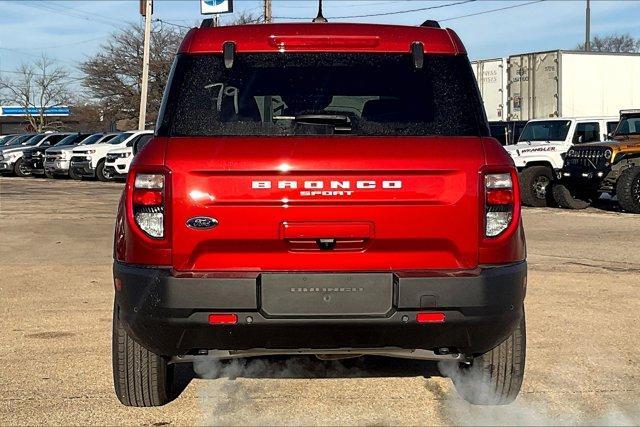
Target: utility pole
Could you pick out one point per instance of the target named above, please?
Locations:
(148, 11)
(587, 41)
(267, 10)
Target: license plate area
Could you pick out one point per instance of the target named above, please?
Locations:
(326, 295)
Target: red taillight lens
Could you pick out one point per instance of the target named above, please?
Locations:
(148, 203)
(499, 200)
(499, 196)
(147, 197)
(432, 317)
(223, 319)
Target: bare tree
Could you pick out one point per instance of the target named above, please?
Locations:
(36, 87)
(246, 17)
(613, 43)
(114, 74)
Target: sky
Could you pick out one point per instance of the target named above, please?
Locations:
(72, 30)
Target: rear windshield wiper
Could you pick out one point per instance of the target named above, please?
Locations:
(334, 123)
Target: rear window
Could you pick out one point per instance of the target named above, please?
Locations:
(322, 94)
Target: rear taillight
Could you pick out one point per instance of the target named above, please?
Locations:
(499, 202)
(148, 203)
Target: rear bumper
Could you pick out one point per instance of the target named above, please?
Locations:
(169, 315)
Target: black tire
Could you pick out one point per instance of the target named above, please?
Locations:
(20, 169)
(536, 183)
(74, 175)
(628, 190)
(141, 378)
(565, 199)
(495, 377)
(49, 175)
(100, 172)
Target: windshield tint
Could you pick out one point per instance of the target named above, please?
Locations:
(551, 130)
(120, 138)
(20, 139)
(92, 139)
(6, 140)
(629, 125)
(322, 94)
(68, 140)
(34, 140)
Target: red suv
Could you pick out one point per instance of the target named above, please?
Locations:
(325, 189)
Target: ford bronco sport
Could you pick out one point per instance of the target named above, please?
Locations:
(326, 189)
(611, 167)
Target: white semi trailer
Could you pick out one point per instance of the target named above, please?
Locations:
(558, 83)
(491, 75)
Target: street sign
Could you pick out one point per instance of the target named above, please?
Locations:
(13, 111)
(143, 7)
(212, 7)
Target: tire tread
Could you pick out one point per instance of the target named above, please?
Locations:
(141, 378)
(624, 189)
(495, 378)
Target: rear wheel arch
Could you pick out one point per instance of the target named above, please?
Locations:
(493, 378)
(539, 163)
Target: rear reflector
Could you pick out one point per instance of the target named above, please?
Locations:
(430, 317)
(223, 319)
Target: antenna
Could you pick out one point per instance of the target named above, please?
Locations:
(320, 18)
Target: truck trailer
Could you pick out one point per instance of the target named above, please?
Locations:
(558, 83)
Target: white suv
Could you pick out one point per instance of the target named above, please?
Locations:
(90, 162)
(118, 161)
(540, 151)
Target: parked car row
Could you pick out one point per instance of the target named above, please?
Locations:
(567, 162)
(570, 162)
(103, 156)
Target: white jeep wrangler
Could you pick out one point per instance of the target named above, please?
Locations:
(540, 151)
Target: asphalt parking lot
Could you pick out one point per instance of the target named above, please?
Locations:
(583, 311)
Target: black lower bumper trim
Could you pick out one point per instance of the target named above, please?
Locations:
(169, 315)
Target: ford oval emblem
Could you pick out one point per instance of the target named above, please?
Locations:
(202, 222)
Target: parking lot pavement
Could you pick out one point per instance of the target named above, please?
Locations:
(583, 312)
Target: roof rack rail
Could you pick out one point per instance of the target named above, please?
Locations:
(207, 23)
(430, 23)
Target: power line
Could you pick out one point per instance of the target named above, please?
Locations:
(74, 13)
(63, 45)
(171, 23)
(491, 10)
(356, 4)
(398, 12)
(19, 52)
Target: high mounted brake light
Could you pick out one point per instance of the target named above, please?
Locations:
(148, 203)
(499, 200)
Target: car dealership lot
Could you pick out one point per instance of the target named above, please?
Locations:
(55, 310)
